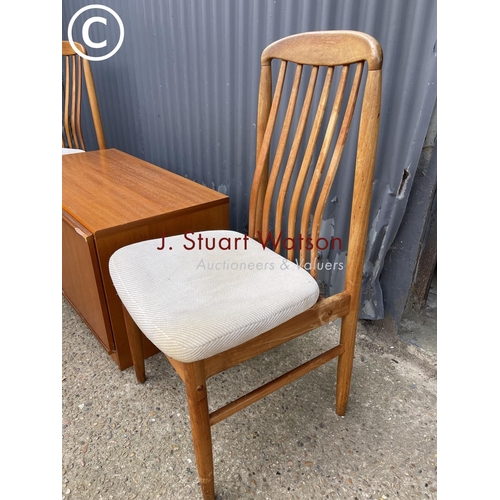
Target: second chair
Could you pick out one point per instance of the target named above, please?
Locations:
(76, 69)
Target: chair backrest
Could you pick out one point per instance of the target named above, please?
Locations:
(303, 181)
(74, 67)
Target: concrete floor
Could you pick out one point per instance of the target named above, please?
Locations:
(123, 440)
(419, 328)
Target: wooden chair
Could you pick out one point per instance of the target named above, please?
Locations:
(208, 319)
(72, 137)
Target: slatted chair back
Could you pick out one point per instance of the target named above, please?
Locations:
(75, 69)
(304, 165)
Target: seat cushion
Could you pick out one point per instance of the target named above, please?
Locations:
(207, 292)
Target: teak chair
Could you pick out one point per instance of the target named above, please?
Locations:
(210, 309)
(73, 64)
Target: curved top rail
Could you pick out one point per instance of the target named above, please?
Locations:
(326, 48)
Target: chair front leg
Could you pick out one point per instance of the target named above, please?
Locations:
(200, 425)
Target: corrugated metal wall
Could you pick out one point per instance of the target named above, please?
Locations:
(182, 93)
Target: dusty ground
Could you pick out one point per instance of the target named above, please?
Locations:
(122, 440)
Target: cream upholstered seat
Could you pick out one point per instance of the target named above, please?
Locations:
(209, 309)
(195, 303)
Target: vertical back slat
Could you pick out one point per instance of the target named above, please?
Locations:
(280, 151)
(73, 103)
(334, 163)
(308, 155)
(320, 164)
(81, 144)
(255, 222)
(66, 102)
(292, 157)
(264, 108)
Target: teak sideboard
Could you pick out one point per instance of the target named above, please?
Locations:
(111, 199)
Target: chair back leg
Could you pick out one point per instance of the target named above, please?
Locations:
(344, 367)
(196, 390)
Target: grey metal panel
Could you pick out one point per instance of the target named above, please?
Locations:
(182, 93)
(403, 260)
